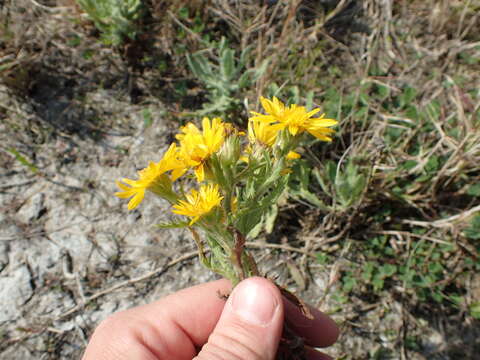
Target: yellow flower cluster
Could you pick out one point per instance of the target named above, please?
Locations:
(195, 148)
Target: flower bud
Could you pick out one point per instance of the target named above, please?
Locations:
(230, 152)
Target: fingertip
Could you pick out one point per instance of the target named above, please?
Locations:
(251, 323)
(256, 300)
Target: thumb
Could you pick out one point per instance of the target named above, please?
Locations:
(250, 325)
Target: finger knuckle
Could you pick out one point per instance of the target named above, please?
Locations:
(114, 325)
(224, 346)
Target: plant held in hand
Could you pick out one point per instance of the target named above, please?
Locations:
(239, 178)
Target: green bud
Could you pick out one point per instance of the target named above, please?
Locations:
(230, 152)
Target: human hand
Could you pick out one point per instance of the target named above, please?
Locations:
(196, 323)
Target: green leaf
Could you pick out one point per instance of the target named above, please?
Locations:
(364, 99)
(244, 55)
(408, 95)
(222, 45)
(437, 296)
(343, 190)
(311, 198)
(387, 270)
(383, 91)
(273, 177)
(331, 169)
(255, 230)
(274, 193)
(474, 190)
(260, 70)
(322, 258)
(199, 67)
(409, 164)
(270, 218)
(377, 283)
(356, 181)
(411, 112)
(183, 13)
(249, 222)
(294, 95)
(368, 270)
(474, 310)
(244, 80)
(227, 64)
(173, 225)
(319, 177)
(433, 110)
(309, 100)
(435, 268)
(473, 232)
(147, 118)
(349, 283)
(273, 90)
(432, 164)
(424, 178)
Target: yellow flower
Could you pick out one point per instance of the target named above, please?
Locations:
(262, 132)
(153, 176)
(136, 188)
(265, 134)
(295, 118)
(196, 147)
(172, 160)
(292, 155)
(199, 203)
(234, 204)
